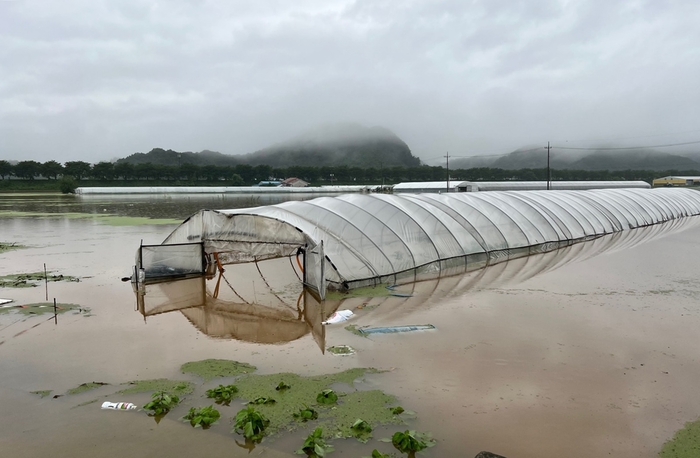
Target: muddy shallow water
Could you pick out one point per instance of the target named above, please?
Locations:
(595, 357)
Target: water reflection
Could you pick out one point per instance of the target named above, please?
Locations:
(286, 313)
(228, 319)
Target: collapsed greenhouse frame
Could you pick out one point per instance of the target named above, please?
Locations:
(357, 240)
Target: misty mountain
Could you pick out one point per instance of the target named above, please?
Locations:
(352, 145)
(536, 158)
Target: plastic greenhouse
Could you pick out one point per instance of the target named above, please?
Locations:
(358, 240)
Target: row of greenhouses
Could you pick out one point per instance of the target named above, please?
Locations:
(364, 239)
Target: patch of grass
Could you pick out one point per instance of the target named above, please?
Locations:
(42, 393)
(7, 246)
(32, 279)
(353, 328)
(92, 401)
(368, 291)
(685, 443)
(177, 387)
(343, 350)
(210, 368)
(41, 308)
(83, 387)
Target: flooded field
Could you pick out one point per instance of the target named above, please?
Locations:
(587, 352)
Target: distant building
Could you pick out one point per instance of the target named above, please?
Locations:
(294, 182)
(676, 181)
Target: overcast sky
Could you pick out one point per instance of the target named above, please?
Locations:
(95, 80)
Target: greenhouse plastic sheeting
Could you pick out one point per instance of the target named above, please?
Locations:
(376, 238)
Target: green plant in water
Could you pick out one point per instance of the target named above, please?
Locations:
(161, 403)
(306, 414)
(262, 400)
(250, 423)
(377, 454)
(327, 396)
(222, 394)
(411, 442)
(361, 430)
(398, 410)
(204, 417)
(314, 445)
(282, 386)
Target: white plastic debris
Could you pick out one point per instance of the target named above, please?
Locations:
(5, 301)
(118, 405)
(339, 317)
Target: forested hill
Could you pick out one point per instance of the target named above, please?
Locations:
(335, 145)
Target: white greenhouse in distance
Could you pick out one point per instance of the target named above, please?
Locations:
(474, 186)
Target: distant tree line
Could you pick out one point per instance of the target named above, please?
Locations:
(242, 174)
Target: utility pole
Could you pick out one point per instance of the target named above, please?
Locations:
(447, 156)
(549, 175)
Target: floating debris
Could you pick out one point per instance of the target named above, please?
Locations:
(339, 317)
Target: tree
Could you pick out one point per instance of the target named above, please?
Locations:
(51, 169)
(146, 170)
(77, 169)
(125, 170)
(6, 169)
(103, 171)
(27, 169)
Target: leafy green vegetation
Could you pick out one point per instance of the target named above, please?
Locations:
(335, 419)
(262, 400)
(315, 446)
(161, 403)
(377, 454)
(222, 394)
(306, 414)
(211, 368)
(361, 430)
(282, 387)
(398, 410)
(251, 423)
(411, 442)
(204, 417)
(327, 396)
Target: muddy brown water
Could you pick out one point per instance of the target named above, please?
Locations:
(571, 355)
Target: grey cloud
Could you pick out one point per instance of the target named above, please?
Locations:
(91, 81)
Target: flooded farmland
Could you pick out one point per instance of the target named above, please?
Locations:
(588, 351)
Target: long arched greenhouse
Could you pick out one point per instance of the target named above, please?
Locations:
(357, 240)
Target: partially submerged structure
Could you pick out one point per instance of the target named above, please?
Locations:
(357, 240)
